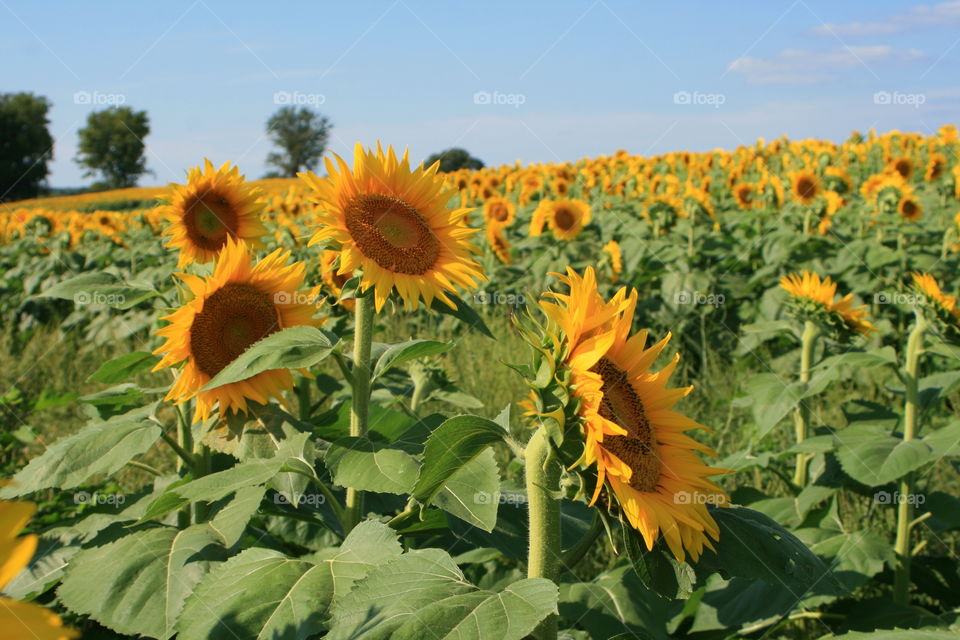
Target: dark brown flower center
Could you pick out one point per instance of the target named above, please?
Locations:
(564, 218)
(806, 188)
(392, 233)
(233, 318)
(499, 211)
(622, 404)
(209, 219)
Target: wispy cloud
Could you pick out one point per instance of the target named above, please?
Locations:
(803, 66)
(944, 14)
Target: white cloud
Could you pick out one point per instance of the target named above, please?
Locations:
(802, 66)
(943, 14)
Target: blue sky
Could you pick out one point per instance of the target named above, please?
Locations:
(530, 81)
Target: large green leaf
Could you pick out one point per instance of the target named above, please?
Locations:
(231, 520)
(99, 289)
(410, 350)
(359, 463)
(137, 585)
(436, 601)
(123, 368)
(870, 455)
(292, 348)
(99, 447)
(263, 594)
(472, 493)
(454, 443)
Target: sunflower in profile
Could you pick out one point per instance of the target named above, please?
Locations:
(238, 305)
(612, 249)
(943, 307)
(332, 278)
(24, 620)
(805, 185)
(499, 211)
(632, 437)
(743, 193)
(936, 165)
(815, 299)
(392, 223)
(214, 205)
(498, 243)
(565, 218)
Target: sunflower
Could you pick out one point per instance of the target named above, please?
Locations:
(499, 211)
(805, 186)
(333, 279)
(632, 437)
(935, 167)
(945, 313)
(909, 208)
(498, 243)
(902, 165)
(22, 619)
(743, 192)
(817, 298)
(235, 307)
(613, 250)
(214, 205)
(566, 218)
(394, 225)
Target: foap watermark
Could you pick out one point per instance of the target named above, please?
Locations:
(309, 499)
(499, 98)
(699, 298)
(499, 497)
(696, 497)
(98, 98)
(695, 98)
(896, 297)
(299, 98)
(886, 497)
(896, 98)
(97, 297)
(96, 498)
(295, 297)
(498, 297)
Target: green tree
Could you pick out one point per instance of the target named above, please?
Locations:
(26, 145)
(111, 145)
(302, 136)
(453, 159)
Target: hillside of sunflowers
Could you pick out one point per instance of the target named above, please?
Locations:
(692, 395)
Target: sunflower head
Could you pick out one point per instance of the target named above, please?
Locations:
(391, 223)
(909, 208)
(498, 243)
(806, 186)
(811, 298)
(238, 305)
(499, 211)
(611, 420)
(941, 308)
(214, 206)
(565, 218)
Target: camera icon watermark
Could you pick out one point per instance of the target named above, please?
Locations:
(298, 98)
(696, 497)
(96, 98)
(308, 499)
(514, 100)
(885, 497)
(896, 98)
(694, 98)
(896, 297)
(497, 297)
(82, 298)
(97, 498)
(699, 298)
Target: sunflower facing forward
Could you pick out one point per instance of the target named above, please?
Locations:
(22, 619)
(214, 205)
(393, 223)
(238, 305)
(632, 437)
(565, 218)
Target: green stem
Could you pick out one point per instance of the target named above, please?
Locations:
(185, 444)
(543, 480)
(807, 342)
(360, 405)
(572, 556)
(901, 576)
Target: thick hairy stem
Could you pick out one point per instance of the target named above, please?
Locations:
(543, 484)
(360, 406)
(807, 342)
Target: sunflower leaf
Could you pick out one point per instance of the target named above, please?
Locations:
(410, 350)
(292, 348)
(463, 312)
(99, 289)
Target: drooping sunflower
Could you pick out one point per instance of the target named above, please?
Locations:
(565, 218)
(499, 211)
(23, 620)
(214, 205)
(238, 305)
(393, 224)
(632, 437)
(816, 299)
(805, 186)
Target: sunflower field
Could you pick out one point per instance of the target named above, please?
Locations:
(697, 395)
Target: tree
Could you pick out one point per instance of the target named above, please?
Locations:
(25, 145)
(453, 159)
(112, 146)
(302, 137)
